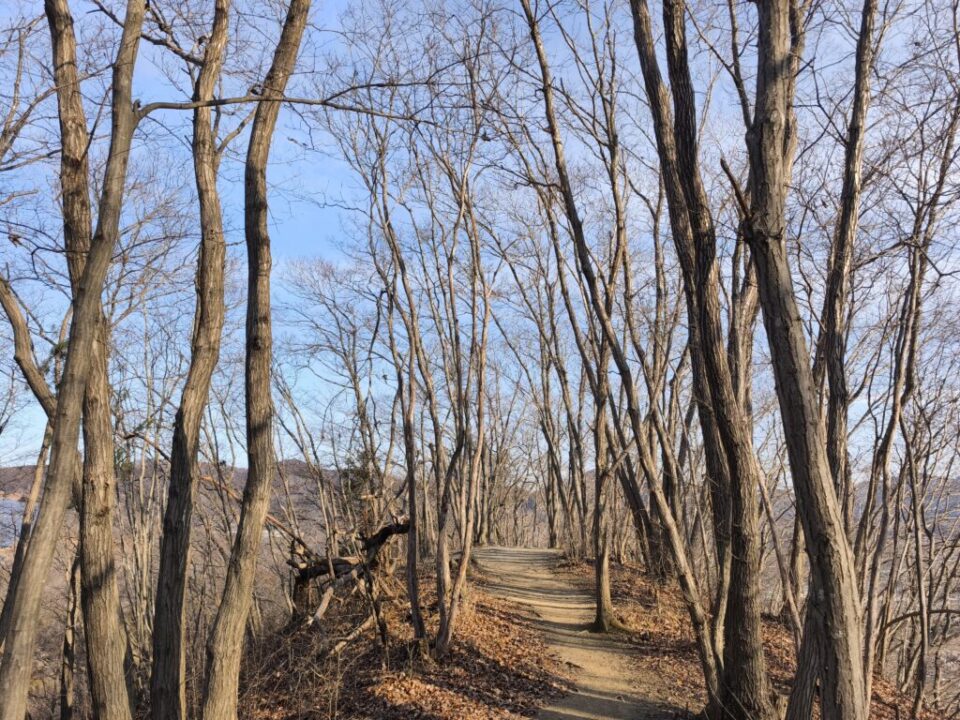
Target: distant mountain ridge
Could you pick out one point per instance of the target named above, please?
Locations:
(295, 500)
(15, 481)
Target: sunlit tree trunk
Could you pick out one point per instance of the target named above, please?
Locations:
(17, 661)
(225, 644)
(168, 676)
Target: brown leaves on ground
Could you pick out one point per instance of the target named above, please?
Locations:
(658, 626)
(667, 658)
(498, 668)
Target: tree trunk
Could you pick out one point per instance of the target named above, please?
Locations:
(601, 548)
(831, 560)
(732, 467)
(168, 675)
(17, 662)
(407, 401)
(68, 661)
(833, 319)
(105, 635)
(225, 644)
(26, 525)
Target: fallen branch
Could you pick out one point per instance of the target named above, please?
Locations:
(324, 604)
(309, 565)
(354, 634)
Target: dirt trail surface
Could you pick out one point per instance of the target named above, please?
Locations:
(607, 686)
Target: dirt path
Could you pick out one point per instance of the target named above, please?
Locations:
(607, 687)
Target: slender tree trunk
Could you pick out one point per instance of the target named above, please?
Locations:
(923, 616)
(26, 525)
(407, 401)
(803, 692)
(225, 644)
(68, 661)
(601, 549)
(791, 611)
(168, 677)
(834, 340)
(448, 617)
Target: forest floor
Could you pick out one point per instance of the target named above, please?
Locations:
(604, 667)
(524, 649)
(648, 671)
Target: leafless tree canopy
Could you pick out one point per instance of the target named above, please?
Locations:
(670, 284)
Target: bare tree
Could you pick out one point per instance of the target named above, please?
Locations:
(168, 678)
(226, 638)
(17, 659)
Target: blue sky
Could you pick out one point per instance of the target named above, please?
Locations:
(307, 187)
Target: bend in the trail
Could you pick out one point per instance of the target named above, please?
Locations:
(606, 685)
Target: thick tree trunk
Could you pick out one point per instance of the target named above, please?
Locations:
(225, 644)
(105, 635)
(731, 463)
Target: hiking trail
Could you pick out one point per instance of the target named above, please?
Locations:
(607, 686)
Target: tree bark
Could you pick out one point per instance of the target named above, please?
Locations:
(17, 662)
(732, 466)
(225, 644)
(831, 559)
(168, 675)
(100, 596)
(68, 661)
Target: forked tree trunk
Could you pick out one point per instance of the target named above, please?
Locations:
(744, 689)
(225, 644)
(17, 661)
(745, 684)
(100, 595)
(831, 559)
(831, 356)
